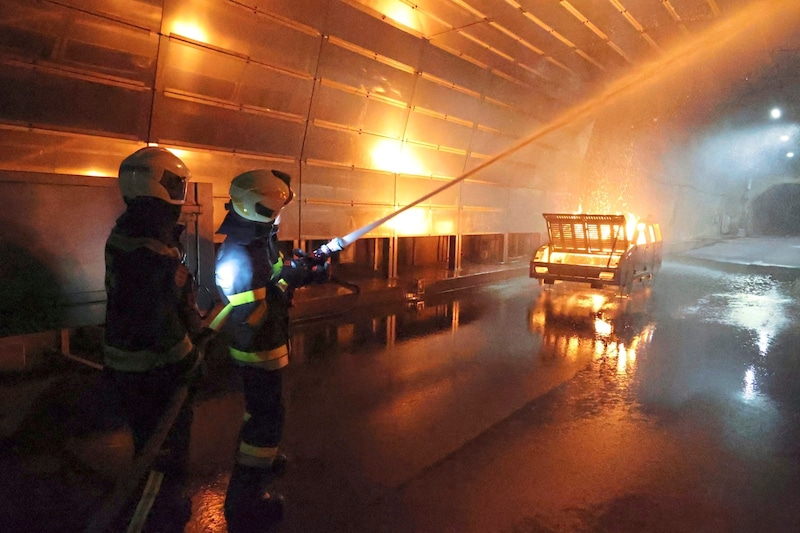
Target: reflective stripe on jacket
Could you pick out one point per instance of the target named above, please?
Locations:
(256, 312)
(150, 311)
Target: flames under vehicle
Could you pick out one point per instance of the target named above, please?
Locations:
(601, 250)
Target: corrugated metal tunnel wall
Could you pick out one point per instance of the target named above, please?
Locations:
(366, 117)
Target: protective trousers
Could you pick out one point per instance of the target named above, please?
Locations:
(264, 416)
(144, 397)
(248, 506)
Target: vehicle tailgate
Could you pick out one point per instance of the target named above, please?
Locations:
(586, 234)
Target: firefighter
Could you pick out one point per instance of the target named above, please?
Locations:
(151, 316)
(258, 283)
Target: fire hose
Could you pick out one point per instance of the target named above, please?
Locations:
(126, 485)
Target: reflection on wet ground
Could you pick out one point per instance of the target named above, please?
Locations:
(507, 408)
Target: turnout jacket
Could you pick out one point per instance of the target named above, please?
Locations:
(151, 310)
(248, 276)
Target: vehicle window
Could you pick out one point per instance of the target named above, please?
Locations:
(657, 228)
(640, 235)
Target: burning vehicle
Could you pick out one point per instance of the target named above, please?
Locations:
(601, 250)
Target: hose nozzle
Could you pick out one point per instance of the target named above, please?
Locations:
(335, 245)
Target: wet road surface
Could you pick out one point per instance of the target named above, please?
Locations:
(504, 408)
(511, 408)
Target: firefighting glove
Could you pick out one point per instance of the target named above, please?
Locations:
(291, 278)
(316, 267)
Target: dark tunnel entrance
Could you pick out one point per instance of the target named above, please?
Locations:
(777, 211)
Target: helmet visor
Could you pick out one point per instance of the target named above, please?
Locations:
(175, 185)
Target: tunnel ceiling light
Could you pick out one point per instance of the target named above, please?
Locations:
(784, 138)
(190, 29)
(790, 154)
(775, 113)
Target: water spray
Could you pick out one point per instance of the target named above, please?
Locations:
(711, 40)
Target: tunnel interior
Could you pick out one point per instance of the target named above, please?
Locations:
(776, 212)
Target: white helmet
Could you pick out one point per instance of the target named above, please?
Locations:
(259, 195)
(154, 171)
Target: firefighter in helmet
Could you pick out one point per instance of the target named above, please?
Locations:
(257, 283)
(151, 316)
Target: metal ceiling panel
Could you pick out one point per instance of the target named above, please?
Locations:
(27, 99)
(484, 195)
(356, 112)
(446, 101)
(572, 34)
(436, 131)
(30, 150)
(434, 162)
(480, 221)
(351, 148)
(653, 16)
(267, 88)
(404, 15)
(445, 66)
(320, 221)
(460, 45)
(193, 70)
(188, 122)
(695, 10)
(489, 143)
(232, 28)
(141, 13)
(561, 21)
(534, 101)
(347, 186)
(364, 30)
(410, 188)
(365, 74)
(625, 33)
(309, 12)
(533, 35)
(65, 39)
(454, 15)
(502, 50)
(504, 119)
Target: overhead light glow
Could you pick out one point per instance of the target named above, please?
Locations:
(790, 154)
(415, 221)
(444, 227)
(191, 30)
(784, 138)
(182, 154)
(775, 113)
(387, 155)
(404, 14)
(93, 172)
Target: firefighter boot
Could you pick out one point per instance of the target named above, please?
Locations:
(248, 508)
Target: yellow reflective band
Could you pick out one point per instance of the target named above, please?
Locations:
(282, 285)
(247, 297)
(236, 300)
(277, 266)
(220, 318)
(255, 456)
(258, 451)
(268, 359)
